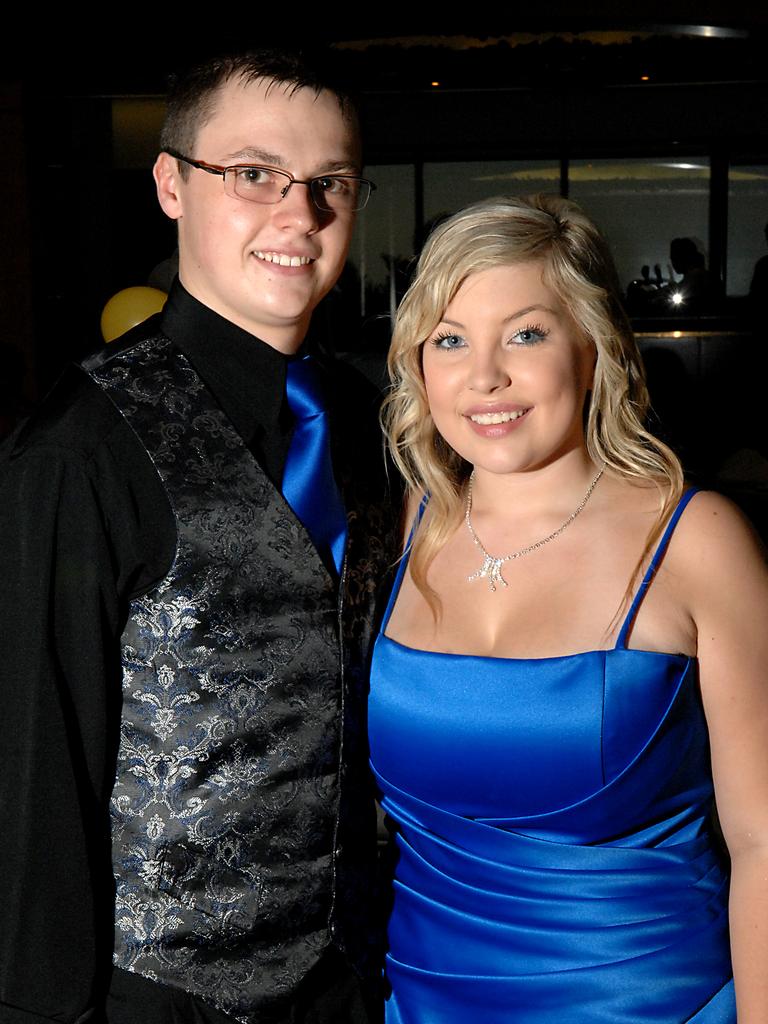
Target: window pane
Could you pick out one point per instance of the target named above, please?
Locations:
(747, 216)
(384, 236)
(450, 186)
(641, 205)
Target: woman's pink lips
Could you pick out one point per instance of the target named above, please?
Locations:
(492, 407)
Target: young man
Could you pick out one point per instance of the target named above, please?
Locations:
(188, 589)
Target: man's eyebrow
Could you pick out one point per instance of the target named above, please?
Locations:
(348, 166)
(261, 156)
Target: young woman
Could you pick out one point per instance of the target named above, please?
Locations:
(574, 660)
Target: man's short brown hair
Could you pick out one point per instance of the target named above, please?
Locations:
(192, 96)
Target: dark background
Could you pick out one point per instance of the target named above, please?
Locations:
(79, 219)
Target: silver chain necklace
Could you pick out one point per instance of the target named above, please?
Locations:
(491, 567)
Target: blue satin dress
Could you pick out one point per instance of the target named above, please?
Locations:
(555, 855)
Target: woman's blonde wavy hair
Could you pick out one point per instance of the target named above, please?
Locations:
(578, 267)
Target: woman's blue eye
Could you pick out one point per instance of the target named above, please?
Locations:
(529, 335)
(448, 341)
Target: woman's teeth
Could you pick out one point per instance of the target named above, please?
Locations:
(487, 418)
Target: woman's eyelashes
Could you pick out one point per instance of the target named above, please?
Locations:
(531, 334)
(448, 341)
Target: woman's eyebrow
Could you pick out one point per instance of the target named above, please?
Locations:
(530, 309)
(512, 316)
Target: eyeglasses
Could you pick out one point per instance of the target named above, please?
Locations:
(340, 193)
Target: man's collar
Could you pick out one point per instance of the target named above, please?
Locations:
(246, 375)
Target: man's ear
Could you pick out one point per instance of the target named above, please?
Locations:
(168, 181)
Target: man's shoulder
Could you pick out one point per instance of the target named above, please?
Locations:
(76, 417)
(358, 439)
(149, 330)
(355, 405)
(73, 420)
(352, 391)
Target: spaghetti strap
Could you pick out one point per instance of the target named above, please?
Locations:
(401, 568)
(655, 561)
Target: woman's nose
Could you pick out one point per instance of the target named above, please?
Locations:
(488, 371)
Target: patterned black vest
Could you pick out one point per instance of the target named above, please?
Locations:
(241, 819)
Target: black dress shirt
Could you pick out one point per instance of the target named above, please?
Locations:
(85, 526)
(246, 376)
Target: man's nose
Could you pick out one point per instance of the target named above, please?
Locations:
(298, 206)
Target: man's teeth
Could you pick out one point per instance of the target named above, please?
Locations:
(283, 260)
(487, 418)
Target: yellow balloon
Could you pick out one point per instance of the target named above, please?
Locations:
(129, 307)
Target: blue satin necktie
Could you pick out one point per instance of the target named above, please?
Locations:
(309, 486)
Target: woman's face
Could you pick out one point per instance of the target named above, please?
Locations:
(507, 371)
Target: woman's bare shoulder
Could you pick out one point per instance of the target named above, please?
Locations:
(632, 507)
(643, 495)
(718, 553)
(709, 517)
(713, 526)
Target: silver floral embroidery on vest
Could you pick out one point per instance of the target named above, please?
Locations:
(226, 800)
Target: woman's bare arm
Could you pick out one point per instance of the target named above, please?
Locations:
(723, 569)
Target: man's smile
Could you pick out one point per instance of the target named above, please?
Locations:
(283, 259)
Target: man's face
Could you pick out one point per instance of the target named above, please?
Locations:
(229, 248)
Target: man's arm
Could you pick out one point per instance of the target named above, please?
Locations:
(81, 530)
(59, 696)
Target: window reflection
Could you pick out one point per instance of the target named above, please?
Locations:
(747, 240)
(383, 242)
(450, 186)
(644, 206)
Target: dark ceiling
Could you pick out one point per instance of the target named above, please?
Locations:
(679, 40)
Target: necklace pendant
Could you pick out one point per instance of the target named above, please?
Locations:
(491, 568)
